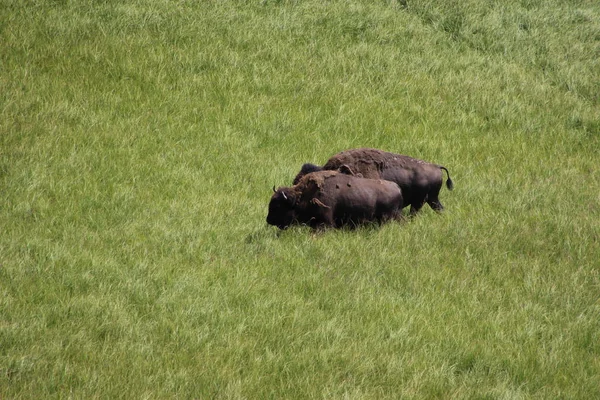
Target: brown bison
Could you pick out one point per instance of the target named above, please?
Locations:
(334, 199)
(419, 180)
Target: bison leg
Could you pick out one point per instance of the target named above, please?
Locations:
(323, 215)
(415, 209)
(398, 215)
(436, 205)
(416, 204)
(434, 201)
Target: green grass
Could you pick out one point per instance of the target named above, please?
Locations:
(139, 142)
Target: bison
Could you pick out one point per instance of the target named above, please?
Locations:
(334, 199)
(419, 180)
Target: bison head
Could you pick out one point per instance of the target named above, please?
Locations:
(306, 169)
(281, 208)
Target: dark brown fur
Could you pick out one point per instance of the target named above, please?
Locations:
(419, 180)
(334, 199)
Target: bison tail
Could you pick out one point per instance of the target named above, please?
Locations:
(449, 183)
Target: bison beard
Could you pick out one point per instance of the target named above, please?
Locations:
(419, 180)
(330, 198)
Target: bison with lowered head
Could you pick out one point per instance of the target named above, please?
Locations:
(419, 180)
(334, 199)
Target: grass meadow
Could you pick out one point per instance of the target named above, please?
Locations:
(140, 140)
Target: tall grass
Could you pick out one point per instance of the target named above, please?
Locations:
(138, 145)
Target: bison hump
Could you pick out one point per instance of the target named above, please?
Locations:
(318, 178)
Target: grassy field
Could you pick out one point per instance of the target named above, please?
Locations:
(139, 142)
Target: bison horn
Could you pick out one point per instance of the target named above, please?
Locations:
(284, 196)
(274, 189)
(345, 169)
